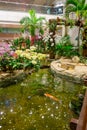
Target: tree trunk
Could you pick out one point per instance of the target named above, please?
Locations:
(66, 30)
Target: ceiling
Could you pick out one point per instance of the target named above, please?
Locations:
(40, 6)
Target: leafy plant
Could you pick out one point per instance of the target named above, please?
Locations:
(76, 103)
(83, 60)
(4, 64)
(17, 43)
(65, 48)
(79, 7)
(27, 41)
(20, 43)
(19, 59)
(6, 49)
(52, 25)
(32, 23)
(39, 43)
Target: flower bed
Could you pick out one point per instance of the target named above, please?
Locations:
(19, 59)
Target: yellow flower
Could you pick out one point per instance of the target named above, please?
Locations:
(32, 48)
(34, 57)
(33, 62)
(27, 50)
(18, 52)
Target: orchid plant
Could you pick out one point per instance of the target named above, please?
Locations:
(5, 53)
(5, 49)
(19, 59)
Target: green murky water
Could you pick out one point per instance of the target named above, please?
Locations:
(24, 107)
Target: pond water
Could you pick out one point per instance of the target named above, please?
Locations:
(25, 106)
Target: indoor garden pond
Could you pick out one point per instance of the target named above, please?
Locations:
(40, 102)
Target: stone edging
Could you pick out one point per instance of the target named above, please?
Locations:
(70, 75)
(7, 79)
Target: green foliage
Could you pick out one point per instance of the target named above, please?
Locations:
(21, 59)
(77, 6)
(76, 103)
(3, 64)
(52, 25)
(84, 37)
(40, 45)
(27, 41)
(71, 22)
(17, 43)
(65, 48)
(32, 23)
(1, 29)
(10, 64)
(83, 60)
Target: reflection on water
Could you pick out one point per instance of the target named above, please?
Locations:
(24, 106)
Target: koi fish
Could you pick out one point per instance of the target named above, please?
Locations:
(51, 96)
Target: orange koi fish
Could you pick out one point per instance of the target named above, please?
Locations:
(51, 96)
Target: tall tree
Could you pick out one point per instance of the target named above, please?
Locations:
(79, 7)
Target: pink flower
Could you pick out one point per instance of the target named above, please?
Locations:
(5, 48)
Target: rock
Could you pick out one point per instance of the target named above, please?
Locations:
(74, 72)
(76, 59)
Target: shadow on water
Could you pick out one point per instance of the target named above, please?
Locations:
(25, 106)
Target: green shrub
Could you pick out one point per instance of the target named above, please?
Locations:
(65, 48)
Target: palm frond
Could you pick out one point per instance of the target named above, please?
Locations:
(72, 2)
(32, 22)
(83, 2)
(24, 19)
(85, 7)
(40, 19)
(78, 6)
(71, 9)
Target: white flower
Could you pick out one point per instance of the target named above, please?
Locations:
(46, 38)
(51, 40)
(51, 33)
(52, 44)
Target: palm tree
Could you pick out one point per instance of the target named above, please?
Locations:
(79, 7)
(32, 23)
